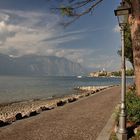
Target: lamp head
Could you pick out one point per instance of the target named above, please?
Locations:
(122, 13)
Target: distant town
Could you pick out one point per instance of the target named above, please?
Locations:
(104, 73)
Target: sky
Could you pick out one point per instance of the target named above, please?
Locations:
(30, 27)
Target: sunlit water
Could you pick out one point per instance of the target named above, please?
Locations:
(15, 88)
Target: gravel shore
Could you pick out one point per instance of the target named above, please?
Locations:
(17, 110)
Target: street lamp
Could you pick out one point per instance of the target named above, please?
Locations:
(122, 13)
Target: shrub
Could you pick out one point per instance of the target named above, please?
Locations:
(113, 137)
(116, 114)
(133, 107)
(136, 137)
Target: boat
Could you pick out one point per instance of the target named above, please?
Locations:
(79, 76)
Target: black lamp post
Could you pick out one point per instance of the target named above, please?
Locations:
(122, 13)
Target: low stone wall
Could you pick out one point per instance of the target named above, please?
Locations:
(92, 88)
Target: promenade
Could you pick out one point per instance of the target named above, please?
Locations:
(80, 120)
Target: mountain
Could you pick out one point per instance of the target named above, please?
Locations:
(39, 65)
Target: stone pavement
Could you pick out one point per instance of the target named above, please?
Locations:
(81, 120)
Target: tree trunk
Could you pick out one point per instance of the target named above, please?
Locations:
(135, 33)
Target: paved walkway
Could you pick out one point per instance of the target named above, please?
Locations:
(81, 120)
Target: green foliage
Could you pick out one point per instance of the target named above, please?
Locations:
(137, 136)
(128, 46)
(132, 88)
(113, 137)
(133, 107)
(67, 11)
(116, 114)
(116, 73)
(129, 72)
(74, 9)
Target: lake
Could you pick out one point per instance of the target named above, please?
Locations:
(18, 88)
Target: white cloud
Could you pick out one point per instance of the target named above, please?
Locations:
(22, 31)
(5, 32)
(33, 32)
(4, 17)
(39, 33)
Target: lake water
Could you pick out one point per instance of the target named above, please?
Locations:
(15, 88)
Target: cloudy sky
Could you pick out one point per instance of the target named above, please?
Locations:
(28, 27)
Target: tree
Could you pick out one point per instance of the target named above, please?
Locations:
(129, 72)
(135, 34)
(128, 45)
(74, 8)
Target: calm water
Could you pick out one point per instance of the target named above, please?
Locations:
(14, 88)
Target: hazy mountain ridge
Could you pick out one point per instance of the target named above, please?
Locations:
(39, 65)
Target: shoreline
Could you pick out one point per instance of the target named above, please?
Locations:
(14, 111)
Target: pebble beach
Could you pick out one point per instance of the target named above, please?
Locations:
(11, 112)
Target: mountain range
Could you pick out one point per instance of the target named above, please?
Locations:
(39, 65)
